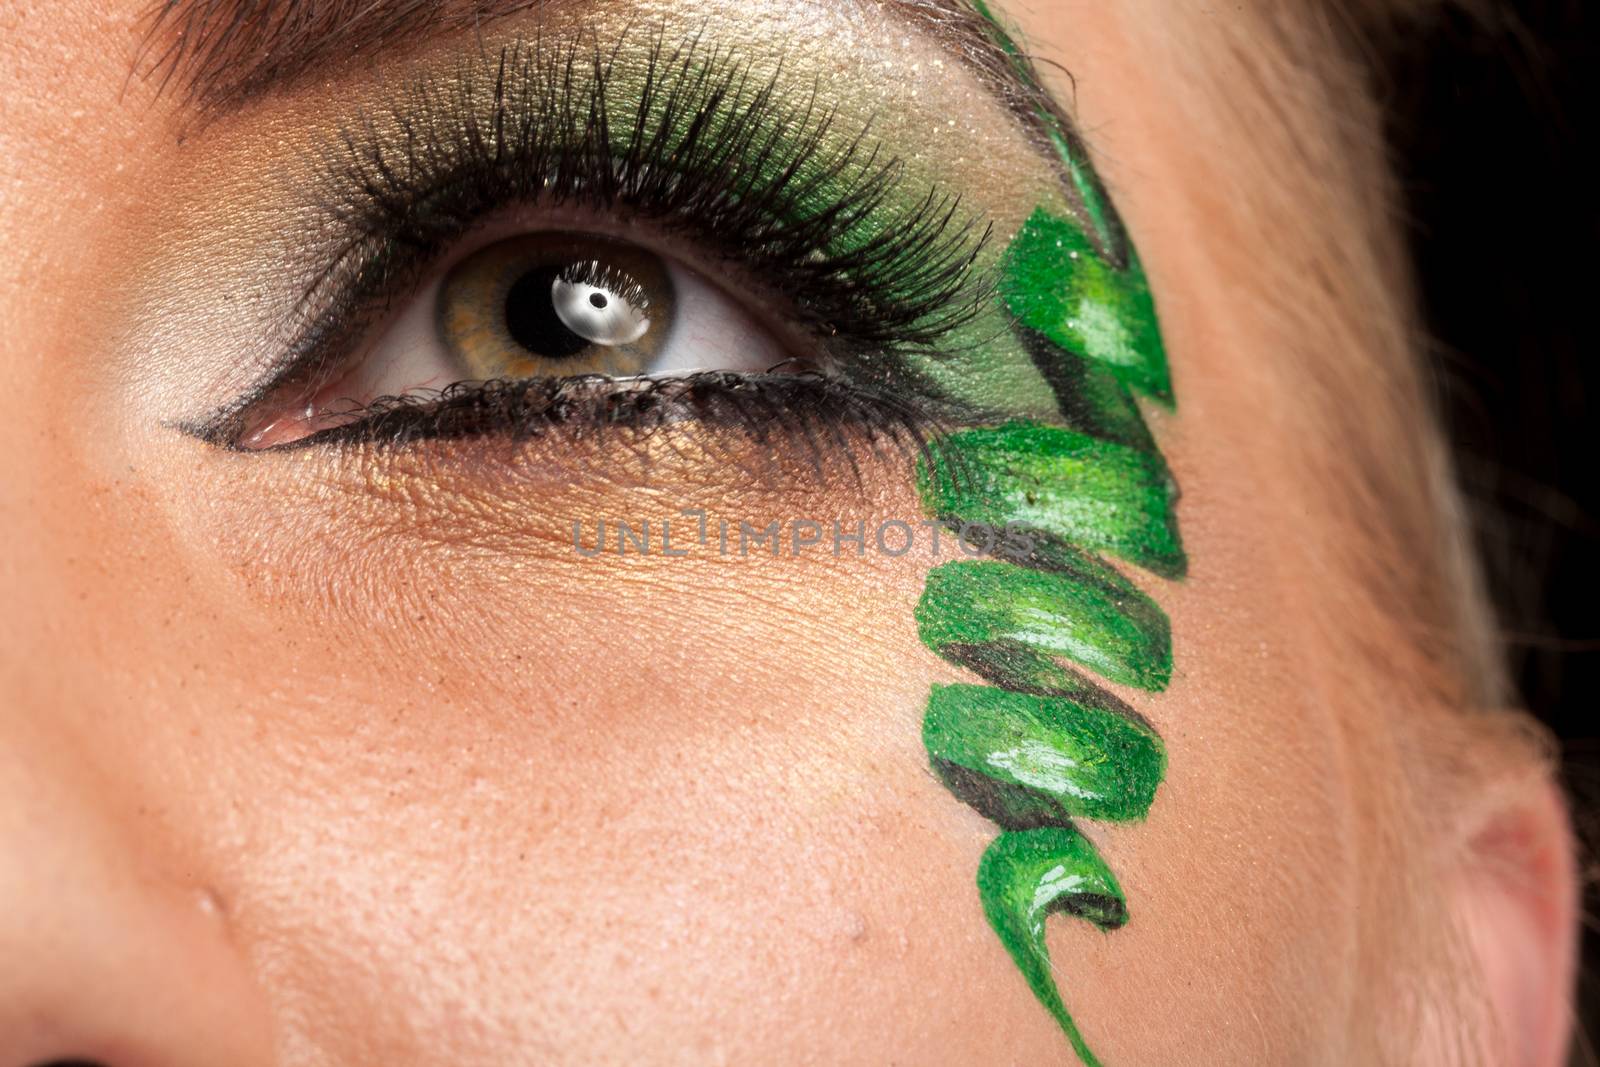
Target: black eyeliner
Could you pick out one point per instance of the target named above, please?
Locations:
(809, 416)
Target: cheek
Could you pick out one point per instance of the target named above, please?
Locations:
(1244, 879)
(470, 800)
(1248, 877)
(481, 793)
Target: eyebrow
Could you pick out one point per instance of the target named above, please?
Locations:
(219, 55)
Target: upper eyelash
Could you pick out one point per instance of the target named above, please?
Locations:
(712, 155)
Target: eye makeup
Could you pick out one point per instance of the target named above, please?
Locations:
(863, 221)
(950, 267)
(689, 145)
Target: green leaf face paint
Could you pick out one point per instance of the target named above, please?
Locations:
(1066, 755)
(1054, 282)
(1088, 614)
(1096, 494)
(1043, 744)
(1030, 874)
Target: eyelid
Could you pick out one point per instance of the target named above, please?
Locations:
(790, 193)
(814, 410)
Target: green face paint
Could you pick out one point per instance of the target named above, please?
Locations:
(1055, 283)
(1042, 744)
(1044, 754)
(1086, 613)
(1030, 874)
(1096, 494)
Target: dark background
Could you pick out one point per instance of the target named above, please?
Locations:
(1491, 116)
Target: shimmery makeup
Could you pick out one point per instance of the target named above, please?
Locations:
(1042, 745)
(1044, 382)
(684, 140)
(910, 100)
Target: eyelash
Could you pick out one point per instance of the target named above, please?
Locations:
(821, 415)
(750, 180)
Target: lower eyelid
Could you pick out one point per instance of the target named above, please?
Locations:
(791, 420)
(519, 495)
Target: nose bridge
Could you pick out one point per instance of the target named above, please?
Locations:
(108, 953)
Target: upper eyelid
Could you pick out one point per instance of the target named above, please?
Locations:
(370, 182)
(221, 55)
(540, 141)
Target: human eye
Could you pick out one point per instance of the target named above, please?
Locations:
(604, 262)
(537, 306)
(855, 261)
(555, 230)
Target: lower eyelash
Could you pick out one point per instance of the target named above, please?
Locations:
(819, 415)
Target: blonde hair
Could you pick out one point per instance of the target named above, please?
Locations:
(1403, 514)
(1399, 611)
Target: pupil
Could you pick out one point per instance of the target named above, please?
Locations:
(531, 317)
(597, 299)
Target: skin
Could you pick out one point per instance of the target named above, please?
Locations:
(309, 761)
